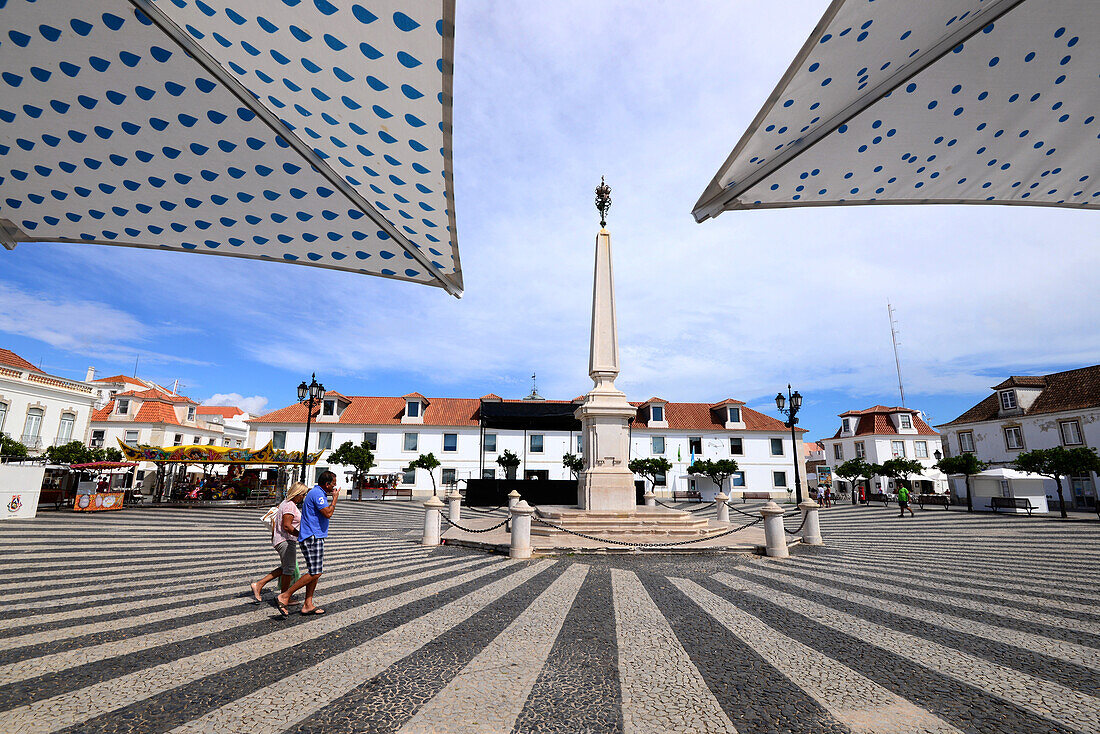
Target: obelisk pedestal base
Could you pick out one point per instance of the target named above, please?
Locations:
(606, 488)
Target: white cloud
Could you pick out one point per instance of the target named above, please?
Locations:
(253, 405)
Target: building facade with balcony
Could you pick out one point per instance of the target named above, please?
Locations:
(880, 433)
(1027, 412)
(401, 428)
(41, 410)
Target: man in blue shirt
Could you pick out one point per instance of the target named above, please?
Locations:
(312, 531)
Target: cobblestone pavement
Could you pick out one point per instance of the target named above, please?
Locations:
(141, 621)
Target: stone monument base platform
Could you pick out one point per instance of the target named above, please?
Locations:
(642, 530)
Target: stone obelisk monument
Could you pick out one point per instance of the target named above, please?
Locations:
(605, 483)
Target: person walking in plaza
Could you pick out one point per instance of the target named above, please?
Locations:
(316, 512)
(903, 501)
(284, 538)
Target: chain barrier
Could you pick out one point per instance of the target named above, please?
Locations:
(795, 531)
(699, 509)
(485, 512)
(645, 545)
(500, 524)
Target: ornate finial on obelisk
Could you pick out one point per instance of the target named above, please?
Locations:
(603, 201)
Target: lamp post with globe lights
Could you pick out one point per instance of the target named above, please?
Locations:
(308, 394)
(792, 421)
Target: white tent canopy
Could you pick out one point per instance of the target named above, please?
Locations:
(944, 101)
(309, 131)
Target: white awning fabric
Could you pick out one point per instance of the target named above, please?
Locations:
(944, 101)
(316, 132)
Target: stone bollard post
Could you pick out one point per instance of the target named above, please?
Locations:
(454, 505)
(811, 526)
(650, 498)
(513, 498)
(432, 509)
(721, 501)
(521, 530)
(774, 535)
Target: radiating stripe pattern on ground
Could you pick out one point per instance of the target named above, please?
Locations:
(142, 621)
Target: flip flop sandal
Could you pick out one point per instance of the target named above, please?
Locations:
(316, 611)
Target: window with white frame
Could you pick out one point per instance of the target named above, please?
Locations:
(1071, 433)
(131, 438)
(177, 440)
(32, 428)
(412, 441)
(190, 412)
(227, 442)
(905, 420)
(450, 442)
(580, 443)
(211, 441)
(779, 478)
(861, 450)
(966, 441)
(65, 428)
(656, 412)
(897, 448)
(535, 443)
(490, 442)
(1014, 438)
(737, 446)
(3, 414)
(278, 440)
(734, 415)
(412, 409)
(324, 440)
(408, 476)
(449, 476)
(1008, 399)
(122, 407)
(659, 480)
(328, 407)
(838, 451)
(847, 424)
(777, 447)
(920, 449)
(198, 440)
(98, 437)
(737, 479)
(370, 438)
(657, 445)
(695, 445)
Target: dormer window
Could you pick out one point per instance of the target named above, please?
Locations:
(328, 407)
(734, 415)
(905, 420)
(656, 413)
(123, 406)
(1008, 399)
(190, 412)
(412, 409)
(847, 423)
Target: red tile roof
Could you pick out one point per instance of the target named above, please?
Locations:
(1061, 391)
(225, 411)
(156, 412)
(875, 421)
(728, 401)
(700, 417)
(382, 411)
(9, 358)
(491, 396)
(122, 378)
(415, 395)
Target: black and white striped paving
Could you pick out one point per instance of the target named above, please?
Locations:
(140, 621)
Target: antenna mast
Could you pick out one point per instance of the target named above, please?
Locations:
(894, 339)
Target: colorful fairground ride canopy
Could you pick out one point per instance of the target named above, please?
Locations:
(315, 132)
(199, 454)
(942, 101)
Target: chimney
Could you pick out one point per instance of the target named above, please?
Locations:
(91, 375)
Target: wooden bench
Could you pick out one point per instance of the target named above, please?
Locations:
(746, 496)
(1019, 503)
(879, 497)
(397, 492)
(934, 499)
(678, 496)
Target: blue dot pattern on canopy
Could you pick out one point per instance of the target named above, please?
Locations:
(110, 132)
(1009, 115)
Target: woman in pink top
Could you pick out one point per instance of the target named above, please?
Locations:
(284, 538)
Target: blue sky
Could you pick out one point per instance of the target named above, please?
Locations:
(549, 97)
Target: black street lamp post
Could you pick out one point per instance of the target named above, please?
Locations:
(309, 394)
(792, 421)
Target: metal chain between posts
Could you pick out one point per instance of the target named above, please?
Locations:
(795, 531)
(485, 512)
(645, 545)
(500, 524)
(698, 509)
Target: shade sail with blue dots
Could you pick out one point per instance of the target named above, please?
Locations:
(959, 101)
(316, 132)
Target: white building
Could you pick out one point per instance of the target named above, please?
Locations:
(402, 428)
(233, 420)
(880, 433)
(41, 410)
(153, 417)
(1033, 412)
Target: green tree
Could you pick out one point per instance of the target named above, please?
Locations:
(360, 458)
(73, 452)
(854, 470)
(12, 449)
(428, 463)
(966, 464)
(650, 468)
(900, 469)
(104, 455)
(1059, 462)
(573, 463)
(508, 462)
(717, 471)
